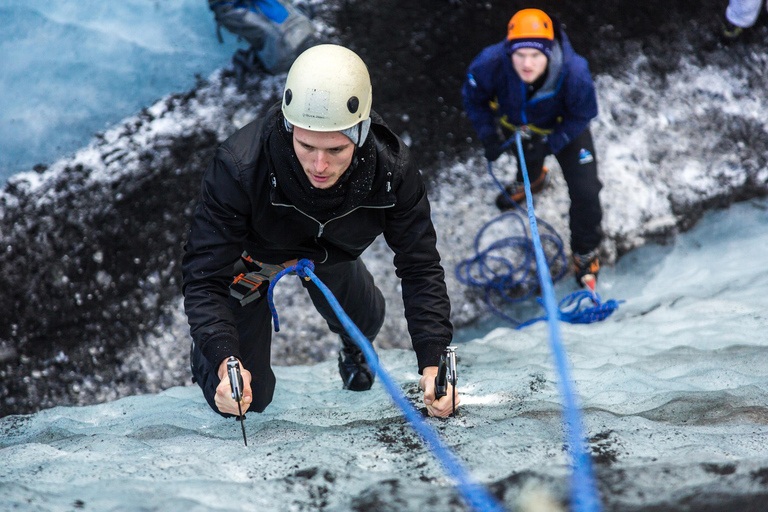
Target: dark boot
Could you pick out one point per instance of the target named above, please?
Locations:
(355, 373)
(585, 264)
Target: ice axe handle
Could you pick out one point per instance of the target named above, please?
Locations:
(236, 383)
(441, 381)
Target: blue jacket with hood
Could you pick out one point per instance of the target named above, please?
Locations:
(565, 103)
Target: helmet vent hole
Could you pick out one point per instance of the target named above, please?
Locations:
(288, 97)
(353, 104)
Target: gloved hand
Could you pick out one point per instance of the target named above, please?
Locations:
(525, 132)
(536, 148)
(492, 147)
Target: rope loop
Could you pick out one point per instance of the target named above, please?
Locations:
(300, 268)
(505, 270)
(573, 309)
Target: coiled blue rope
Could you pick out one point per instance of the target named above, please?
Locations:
(570, 309)
(502, 279)
(474, 494)
(507, 265)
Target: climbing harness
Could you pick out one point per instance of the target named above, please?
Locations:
(474, 494)
(526, 131)
(252, 274)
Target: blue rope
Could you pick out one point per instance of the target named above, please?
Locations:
(584, 497)
(504, 281)
(474, 494)
(494, 270)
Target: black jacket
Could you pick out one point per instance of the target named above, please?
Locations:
(240, 209)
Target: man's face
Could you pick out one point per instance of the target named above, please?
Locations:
(529, 64)
(324, 156)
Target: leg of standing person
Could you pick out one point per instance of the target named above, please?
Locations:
(534, 164)
(579, 164)
(254, 325)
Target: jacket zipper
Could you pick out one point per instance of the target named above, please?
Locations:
(322, 225)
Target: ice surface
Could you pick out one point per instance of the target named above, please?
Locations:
(71, 69)
(674, 388)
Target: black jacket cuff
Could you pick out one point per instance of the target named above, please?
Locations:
(428, 351)
(220, 346)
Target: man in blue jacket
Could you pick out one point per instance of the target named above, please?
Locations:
(533, 82)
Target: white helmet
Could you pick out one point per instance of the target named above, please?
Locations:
(328, 89)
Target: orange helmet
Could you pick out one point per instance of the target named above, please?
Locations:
(530, 24)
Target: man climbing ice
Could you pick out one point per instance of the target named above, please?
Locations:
(321, 176)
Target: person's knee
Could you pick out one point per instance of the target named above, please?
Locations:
(586, 191)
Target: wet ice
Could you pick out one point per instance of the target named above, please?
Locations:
(71, 69)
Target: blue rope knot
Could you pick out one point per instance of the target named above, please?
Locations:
(302, 266)
(587, 315)
(572, 309)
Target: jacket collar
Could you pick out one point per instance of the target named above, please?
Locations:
(388, 163)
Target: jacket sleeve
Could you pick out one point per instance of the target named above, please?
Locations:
(477, 94)
(580, 106)
(214, 244)
(409, 232)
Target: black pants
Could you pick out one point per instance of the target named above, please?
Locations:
(579, 164)
(350, 283)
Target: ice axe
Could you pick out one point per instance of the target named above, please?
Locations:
(236, 382)
(446, 372)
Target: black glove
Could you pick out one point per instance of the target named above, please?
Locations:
(536, 148)
(493, 149)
